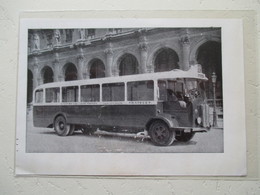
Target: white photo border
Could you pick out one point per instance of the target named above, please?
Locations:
(230, 163)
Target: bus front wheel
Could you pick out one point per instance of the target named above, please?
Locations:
(61, 127)
(161, 134)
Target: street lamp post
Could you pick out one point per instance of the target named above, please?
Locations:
(214, 80)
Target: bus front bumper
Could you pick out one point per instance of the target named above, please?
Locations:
(197, 130)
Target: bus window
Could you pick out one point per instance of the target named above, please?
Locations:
(177, 88)
(140, 91)
(70, 94)
(39, 96)
(113, 92)
(90, 93)
(52, 95)
(162, 90)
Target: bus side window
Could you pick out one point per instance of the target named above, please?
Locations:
(52, 95)
(70, 94)
(39, 96)
(140, 91)
(90, 93)
(162, 90)
(113, 92)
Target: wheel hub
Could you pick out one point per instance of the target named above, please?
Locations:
(160, 132)
(61, 125)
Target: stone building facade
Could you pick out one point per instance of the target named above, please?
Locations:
(68, 54)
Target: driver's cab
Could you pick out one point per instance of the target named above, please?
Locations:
(172, 93)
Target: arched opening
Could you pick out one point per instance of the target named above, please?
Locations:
(128, 65)
(71, 72)
(97, 69)
(166, 59)
(209, 56)
(29, 86)
(47, 74)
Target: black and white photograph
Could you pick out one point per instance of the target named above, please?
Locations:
(146, 87)
(118, 88)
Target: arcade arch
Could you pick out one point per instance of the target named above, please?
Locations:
(97, 69)
(209, 56)
(70, 72)
(128, 65)
(165, 59)
(47, 74)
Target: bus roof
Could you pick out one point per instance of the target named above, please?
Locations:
(194, 72)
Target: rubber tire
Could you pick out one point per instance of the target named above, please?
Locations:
(61, 127)
(72, 129)
(161, 134)
(184, 137)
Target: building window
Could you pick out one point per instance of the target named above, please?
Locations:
(68, 35)
(91, 33)
(49, 40)
(118, 30)
(110, 31)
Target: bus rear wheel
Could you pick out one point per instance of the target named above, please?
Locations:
(61, 127)
(184, 137)
(161, 134)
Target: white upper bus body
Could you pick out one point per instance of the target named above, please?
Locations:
(194, 72)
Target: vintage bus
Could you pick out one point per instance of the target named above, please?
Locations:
(168, 105)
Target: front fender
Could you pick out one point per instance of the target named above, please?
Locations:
(171, 122)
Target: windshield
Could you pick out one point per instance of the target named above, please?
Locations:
(171, 88)
(195, 88)
(181, 89)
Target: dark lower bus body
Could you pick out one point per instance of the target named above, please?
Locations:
(165, 121)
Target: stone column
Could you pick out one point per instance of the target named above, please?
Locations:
(109, 61)
(116, 72)
(56, 67)
(35, 76)
(86, 75)
(143, 50)
(81, 61)
(61, 77)
(185, 41)
(144, 54)
(35, 72)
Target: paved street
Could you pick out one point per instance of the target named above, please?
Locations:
(46, 140)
